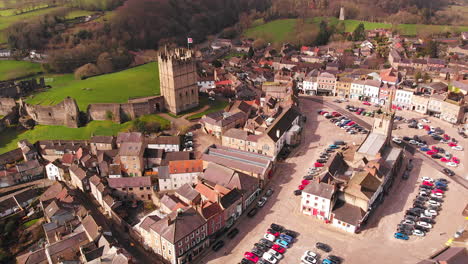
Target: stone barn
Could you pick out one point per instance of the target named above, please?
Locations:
(64, 113)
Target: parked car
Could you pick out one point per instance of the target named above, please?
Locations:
(427, 220)
(267, 256)
(251, 256)
(217, 245)
(252, 212)
(323, 247)
(262, 201)
(270, 237)
(266, 243)
(277, 227)
(278, 248)
(269, 192)
(418, 232)
(401, 236)
(424, 224)
(282, 243)
(297, 192)
(231, 234)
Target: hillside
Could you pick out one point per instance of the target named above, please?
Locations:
(279, 31)
(108, 88)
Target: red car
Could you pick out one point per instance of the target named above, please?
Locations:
(317, 165)
(336, 114)
(366, 103)
(278, 248)
(444, 160)
(431, 152)
(427, 183)
(456, 160)
(426, 127)
(305, 182)
(452, 144)
(437, 191)
(324, 112)
(273, 233)
(301, 187)
(351, 123)
(446, 137)
(251, 256)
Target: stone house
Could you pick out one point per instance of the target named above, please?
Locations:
(343, 86)
(131, 158)
(420, 103)
(326, 83)
(132, 137)
(102, 143)
(434, 106)
(132, 188)
(179, 173)
(98, 189)
(29, 170)
(453, 112)
(79, 178)
(218, 122)
(167, 143)
(180, 237)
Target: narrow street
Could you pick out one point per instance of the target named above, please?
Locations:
(132, 246)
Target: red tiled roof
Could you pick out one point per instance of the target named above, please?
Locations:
(185, 166)
(206, 192)
(211, 209)
(225, 82)
(67, 158)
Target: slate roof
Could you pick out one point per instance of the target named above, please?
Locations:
(129, 137)
(102, 139)
(131, 149)
(348, 213)
(164, 140)
(188, 192)
(178, 225)
(282, 123)
(71, 242)
(320, 189)
(126, 182)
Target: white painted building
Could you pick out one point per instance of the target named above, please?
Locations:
(309, 85)
(403, 98)
(318, 200)
(372, 90)
(178, 173)
(168, 143)
(55, 171)
(357, 89)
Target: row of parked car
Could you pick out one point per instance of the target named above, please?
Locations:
(426, 206)
(270, 248)
(319, 163)
(348, 125)
(310, 257)
(188, 142)
(360, 111)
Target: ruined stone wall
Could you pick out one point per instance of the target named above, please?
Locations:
(20, 88)
(64, 113)
(127, 111)
(101, 112)
(7, 105)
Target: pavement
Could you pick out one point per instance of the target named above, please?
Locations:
(375, 244)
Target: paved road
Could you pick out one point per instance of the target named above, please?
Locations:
(137, 251)
(457, 178)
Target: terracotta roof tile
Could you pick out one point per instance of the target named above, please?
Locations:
(185, 166)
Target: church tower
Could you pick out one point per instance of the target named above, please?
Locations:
(383, 120)
(178, 80)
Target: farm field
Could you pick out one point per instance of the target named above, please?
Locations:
(10, 69)
(277, 31)
(10, 136)
(115, 87)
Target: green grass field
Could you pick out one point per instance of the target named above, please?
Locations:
(109, 88)
(278, 31)
(78, 13)
(15, 69)
(31, 222)
(10, 136)
(214, 107)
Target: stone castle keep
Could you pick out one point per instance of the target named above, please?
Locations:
(178, 80)
(179, 92)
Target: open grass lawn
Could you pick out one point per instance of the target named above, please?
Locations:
(31, 222)
(109, 88)
(15, 69)
(278, 31)
(10, 136)
(214, 107)
(273, 31)
(78, 13)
